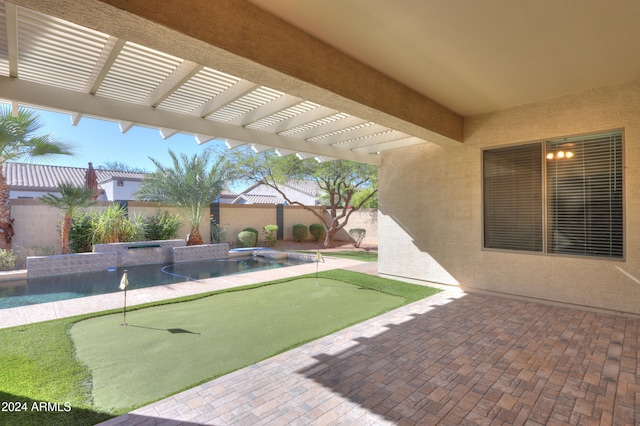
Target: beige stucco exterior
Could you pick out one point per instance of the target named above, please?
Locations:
(431, 207)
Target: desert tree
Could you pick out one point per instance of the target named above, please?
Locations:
(347, 186)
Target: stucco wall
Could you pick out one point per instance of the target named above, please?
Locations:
(38, 225)
(237, 217)
(431, 207)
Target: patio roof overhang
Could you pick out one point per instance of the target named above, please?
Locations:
(115, 65)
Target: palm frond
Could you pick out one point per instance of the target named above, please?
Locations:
(191, 184)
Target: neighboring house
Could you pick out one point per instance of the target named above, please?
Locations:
(258, 199)
(119, 185)
(35, 180)
(306, 192)
(226, 197)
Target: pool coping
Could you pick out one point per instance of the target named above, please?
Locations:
(29, 314)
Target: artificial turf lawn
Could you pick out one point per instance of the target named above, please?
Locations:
(169, 348)
(364, 256)
(37, 362)
(37, 365)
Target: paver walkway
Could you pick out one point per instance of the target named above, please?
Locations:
(451, 359)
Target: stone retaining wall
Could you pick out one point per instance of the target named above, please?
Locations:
(273, 254)
(60, 264)
(141, 253)
(202, 252)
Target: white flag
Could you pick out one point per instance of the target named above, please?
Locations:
(124, 282)
(320, 258)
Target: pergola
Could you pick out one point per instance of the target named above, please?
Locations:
(51, 63)
(324, 79)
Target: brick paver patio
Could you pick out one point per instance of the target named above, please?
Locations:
(450, 359)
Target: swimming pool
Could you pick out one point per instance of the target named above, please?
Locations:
(32, 291)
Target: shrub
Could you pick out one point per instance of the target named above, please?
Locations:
(7, 260)
(24, 252)
(162, 226)
(137, 230)
(247, 239)
(81, 233)
(270, 234)
(358, 235)
(254, 230)
(300, 233)
(317, 231)
(113, 226)
(217, 232)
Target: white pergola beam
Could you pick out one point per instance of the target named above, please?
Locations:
(125, 126)
(260, 148)
(109, 54)
(236, 91)
(284, 152)
(75, 118)
(375, 139)
(325, 129)
(365, 131)
(273, 107)
(398, 143)
(201, 139)
(11, 16)
(110, 109)
(298, 120)
(233, 144)
(177, 78)
(323, 159)
(167, 133)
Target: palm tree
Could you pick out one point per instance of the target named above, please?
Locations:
(70, 200)
(191, 184)
(18, 141)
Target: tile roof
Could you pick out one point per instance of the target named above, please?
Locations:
(309, 187)
(46, 177)
(258, 199)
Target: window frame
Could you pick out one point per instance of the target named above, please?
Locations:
(546, 202)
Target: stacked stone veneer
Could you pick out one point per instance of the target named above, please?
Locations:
(303, 257)
(198, 253)
(39, 266)
(272, 254)
(141, 253)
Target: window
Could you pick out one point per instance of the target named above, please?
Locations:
(558, 196)
(513, 198)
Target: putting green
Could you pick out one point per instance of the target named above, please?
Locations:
(169, 348)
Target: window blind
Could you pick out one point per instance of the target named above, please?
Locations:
(512, 190)
(584, 195)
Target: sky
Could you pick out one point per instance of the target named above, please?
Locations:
(100, 141)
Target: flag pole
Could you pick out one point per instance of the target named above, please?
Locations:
(124, 283)
(318, 259)
(125, 308)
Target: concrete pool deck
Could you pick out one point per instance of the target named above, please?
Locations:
(71, 307)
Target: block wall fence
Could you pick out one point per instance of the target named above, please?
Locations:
(36, 224)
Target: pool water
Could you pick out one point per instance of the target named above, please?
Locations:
(32, 291)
